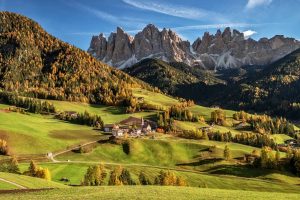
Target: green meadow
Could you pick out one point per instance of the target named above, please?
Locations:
(27, 182)
(39, 134)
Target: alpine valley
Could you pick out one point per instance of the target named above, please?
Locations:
(145, 117)
(224, 69)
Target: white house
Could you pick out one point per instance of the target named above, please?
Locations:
(117, 132)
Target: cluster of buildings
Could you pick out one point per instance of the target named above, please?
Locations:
(293, 143)
(131, 126)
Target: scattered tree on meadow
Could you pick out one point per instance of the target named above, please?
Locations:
(125, 177)
(114, 176)
(3, 147)
(227, 153)
(94, 176)
(169, 179)
(120, 176)
(267, 158)
(11, 166)
(218, 116)
(39, 172)
(144, 179)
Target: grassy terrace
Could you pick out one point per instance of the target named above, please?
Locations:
(149, 192)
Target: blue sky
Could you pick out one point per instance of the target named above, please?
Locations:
(75, 21)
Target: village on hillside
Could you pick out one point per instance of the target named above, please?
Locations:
(132, 126)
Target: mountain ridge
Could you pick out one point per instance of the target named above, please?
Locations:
(227, 49)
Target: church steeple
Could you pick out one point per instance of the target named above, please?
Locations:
(142, 121)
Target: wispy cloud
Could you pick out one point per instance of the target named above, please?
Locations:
(255, 3)
(98, 13)
(174, 10)
(249, 33)
(214, 26)
(118, 20)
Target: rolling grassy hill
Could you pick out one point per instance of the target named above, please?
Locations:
(162, 152)
(7, 186)
(149, 193)
(257, 180)
(46, 133)
(27, 182)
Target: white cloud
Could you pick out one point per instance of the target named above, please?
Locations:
(213, 26)
(174, 10)
(249, 33)
(255, 3)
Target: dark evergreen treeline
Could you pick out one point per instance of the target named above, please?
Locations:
(251, 139)
(29, 104)
(177, 112)
(268, 159)
(264, 124)
(81, 118)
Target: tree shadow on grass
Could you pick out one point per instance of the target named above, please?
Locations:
(201, 162)
(239, 170)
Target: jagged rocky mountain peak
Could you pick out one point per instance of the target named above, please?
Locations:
(224, 49)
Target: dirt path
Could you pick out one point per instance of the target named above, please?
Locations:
(13, 183)
(52, 157)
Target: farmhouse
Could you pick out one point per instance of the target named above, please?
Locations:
(206, 128)
(117, 132)
(132, 126)
(110, 127)
(71, 113)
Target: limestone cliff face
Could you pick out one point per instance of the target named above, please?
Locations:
(227, 49)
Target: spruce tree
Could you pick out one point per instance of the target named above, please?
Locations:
(13, 166)
(144, 179)
(227, 153)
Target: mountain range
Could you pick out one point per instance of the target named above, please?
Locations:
(227, 49)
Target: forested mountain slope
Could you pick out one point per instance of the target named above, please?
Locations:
(34, 63)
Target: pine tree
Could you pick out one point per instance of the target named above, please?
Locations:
(88, 177)
(143, 179)
(13, 166)
(33, 168)
(277, 158)
(227, 153)
(125, 177)
(264, 157)
(114, 178)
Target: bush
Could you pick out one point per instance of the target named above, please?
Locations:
(3, 147)
(10, 166)
(126, 147)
